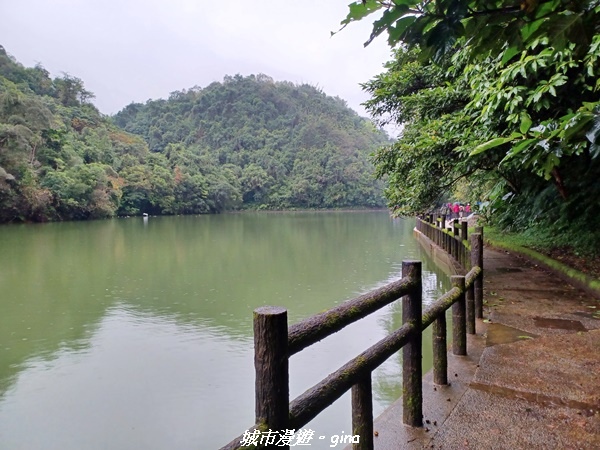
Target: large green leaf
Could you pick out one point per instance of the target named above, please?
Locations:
(397, 32)
(519, 148)
(360, 10)
(390, 16)
(525, 122)
(509, 53)
(490, 144)
(561, 27)
(529, 28)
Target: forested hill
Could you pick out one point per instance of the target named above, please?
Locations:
(246, 142)
(274, 144)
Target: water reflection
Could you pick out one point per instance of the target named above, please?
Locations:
(130, 334)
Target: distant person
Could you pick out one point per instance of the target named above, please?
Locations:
(455, 210)
(468, 209)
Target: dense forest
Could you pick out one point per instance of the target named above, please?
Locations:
(246, 142)
(499, 109)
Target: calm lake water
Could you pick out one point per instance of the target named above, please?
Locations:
(137, 334)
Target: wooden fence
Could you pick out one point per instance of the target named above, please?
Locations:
(453, 238)
(275, 342)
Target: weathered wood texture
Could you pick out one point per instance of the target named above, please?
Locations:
(319, 326)
(440, 351)
(362, 413)
(271, 364)
(412, 371)
(459, 325)
(307, 405)
(477, 261)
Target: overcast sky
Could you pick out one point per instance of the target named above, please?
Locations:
(134, 50)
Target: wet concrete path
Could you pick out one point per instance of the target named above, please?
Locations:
(532, 376)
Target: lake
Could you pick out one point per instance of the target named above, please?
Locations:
(137, 333)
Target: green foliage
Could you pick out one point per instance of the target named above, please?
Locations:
(424, 164)
(244, 143)
(523, 131)
(264, 144)
(58, 157)
(499, 27)
(542, 103)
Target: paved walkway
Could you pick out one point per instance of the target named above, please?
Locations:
(532, 376)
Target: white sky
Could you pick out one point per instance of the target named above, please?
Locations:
(134, 50)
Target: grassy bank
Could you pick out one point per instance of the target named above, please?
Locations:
(583, 269)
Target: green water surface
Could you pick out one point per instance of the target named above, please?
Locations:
(137, 334)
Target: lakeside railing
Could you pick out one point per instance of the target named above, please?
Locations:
(452, 236)
(274, 343)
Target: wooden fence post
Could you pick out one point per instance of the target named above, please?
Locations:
(479, 230)
(412, 371)
(455, 232)
(464, 233)
(464, 230)
(470, 301)
(362, 413)
(441, 231)
(272, 394)
(459, 325)
(440, 350)
(477, 260)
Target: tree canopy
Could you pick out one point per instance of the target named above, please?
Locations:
(499, 99)
(504, 27)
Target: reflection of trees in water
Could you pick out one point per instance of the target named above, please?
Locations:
(57, 291)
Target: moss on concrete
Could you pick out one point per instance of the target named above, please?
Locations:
(586, 282)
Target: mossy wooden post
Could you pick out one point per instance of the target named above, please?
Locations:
(362, 413)
(455, 233)
(470, 302)
(477, 260)
(412, 371)
(464, 236)
(440, 350)
(442, 228)
(479, 230)
(272, 395)
(459, 325)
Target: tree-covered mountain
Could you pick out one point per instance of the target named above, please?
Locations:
(246, 142)
(276, 144)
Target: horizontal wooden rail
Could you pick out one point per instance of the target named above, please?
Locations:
(472, 275)
(307, 405)
(439, 307)
(319, 326)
